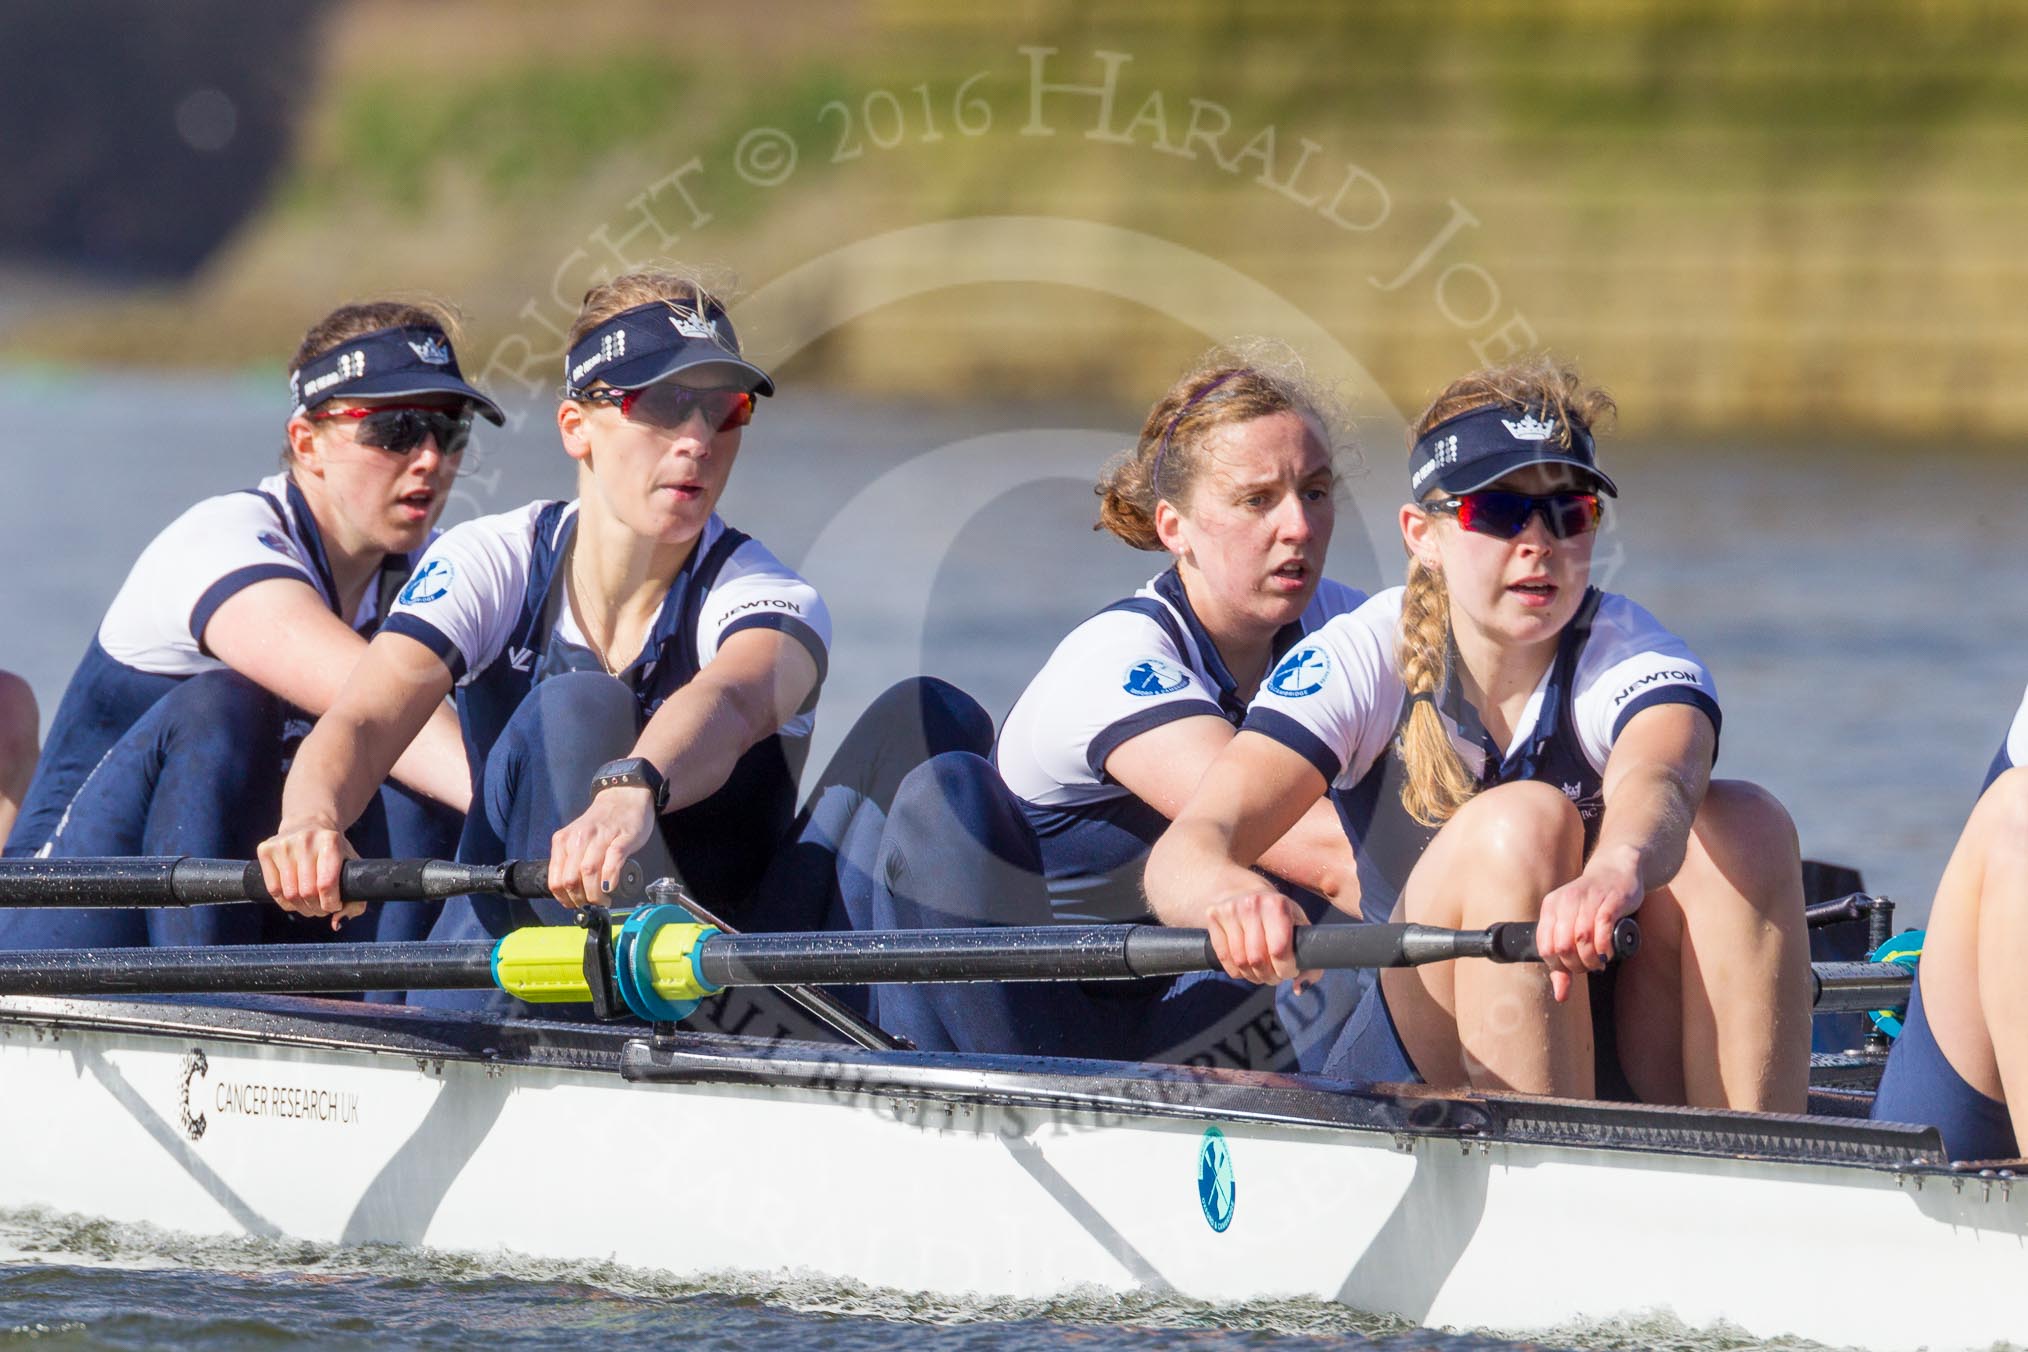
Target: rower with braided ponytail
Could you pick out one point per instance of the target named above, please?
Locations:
(1507, 742)
(1437, 782)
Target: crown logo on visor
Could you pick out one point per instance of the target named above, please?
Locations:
(694, 326)
(1530, 429)
(434, 351)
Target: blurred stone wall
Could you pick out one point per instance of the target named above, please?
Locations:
(1791, 218)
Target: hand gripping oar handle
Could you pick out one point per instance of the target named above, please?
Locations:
(170, 881)
(1156, 951)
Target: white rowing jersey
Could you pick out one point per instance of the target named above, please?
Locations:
(152, 636)
(208, 555)
(1338, 701)
(1133, 667)
(489, 599)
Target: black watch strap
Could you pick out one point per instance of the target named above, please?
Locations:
(633, 772)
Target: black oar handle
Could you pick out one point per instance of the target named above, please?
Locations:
(1514, 941)
(1156, 951)
(172, 881)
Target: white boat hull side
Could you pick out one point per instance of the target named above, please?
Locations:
(920, 1193)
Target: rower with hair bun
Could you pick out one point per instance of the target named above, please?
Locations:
(242, 618)
(1509, 743)
(633, 674)
(1233, 478)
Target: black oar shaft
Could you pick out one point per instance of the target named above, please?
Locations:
(210, 882)
(299, 969)
(1010, 953)
(1082, 952)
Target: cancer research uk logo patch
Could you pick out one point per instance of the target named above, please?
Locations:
(273, 541)
(1155, 677)
(1217, 1189)
(1302, 672)
(431, 581)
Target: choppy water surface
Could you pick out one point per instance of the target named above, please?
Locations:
(69, 1283)
(1863, 614)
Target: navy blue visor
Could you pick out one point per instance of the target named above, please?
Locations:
(664, 338)
(386, 364)
(1465, 453)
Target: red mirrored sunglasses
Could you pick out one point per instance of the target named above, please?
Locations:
(1505, 515)
(670, 406)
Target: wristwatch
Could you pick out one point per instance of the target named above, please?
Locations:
(634, 772)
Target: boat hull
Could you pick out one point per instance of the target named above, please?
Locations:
(335, 1123)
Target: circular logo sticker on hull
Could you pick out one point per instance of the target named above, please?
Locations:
(1217, 1190)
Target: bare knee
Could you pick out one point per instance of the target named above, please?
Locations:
(1745, 839)
(1745, 820)
(1524, 829)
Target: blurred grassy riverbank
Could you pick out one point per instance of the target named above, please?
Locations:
(1795, 220)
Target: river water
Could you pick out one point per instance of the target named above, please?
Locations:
(1859, 608)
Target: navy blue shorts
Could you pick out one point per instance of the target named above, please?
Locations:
(1370, 1048)
(1920, 1085)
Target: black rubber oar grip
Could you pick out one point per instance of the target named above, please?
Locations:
(1514, 941)
(1152, 950)
(527, 878)
(1156, 951)
(199, 882)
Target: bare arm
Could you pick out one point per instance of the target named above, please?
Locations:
(1165, 765)
(397, 687)
(1199, 874)
(1654, 782)
(279, 634)
(756, 682)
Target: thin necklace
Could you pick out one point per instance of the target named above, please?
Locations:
(584, 617)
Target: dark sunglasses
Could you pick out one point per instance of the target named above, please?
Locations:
(670, 406)
(400, 428)
(1505, 515)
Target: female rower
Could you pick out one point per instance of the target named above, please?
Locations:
(633, 675)
(1511, 743)
(1961, 1062)
(1233, 479)
(243, 616)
